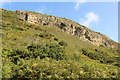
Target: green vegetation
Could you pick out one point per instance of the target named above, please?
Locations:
(103, 57)
(40, 52)
(62, 43)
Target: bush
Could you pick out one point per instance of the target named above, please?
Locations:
(56, 39)
(44, 35)
(92, 54)
(21, 29)
(99, 55)
(53, 51)
(17, 54)
(62, 43)
(50, 50)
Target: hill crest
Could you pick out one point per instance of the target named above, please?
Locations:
(68, 26)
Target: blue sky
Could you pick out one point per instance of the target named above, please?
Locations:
(98, 16)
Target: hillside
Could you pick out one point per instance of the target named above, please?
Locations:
(69, 27)
(35, 49)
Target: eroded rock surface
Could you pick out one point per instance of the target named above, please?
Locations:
(69, 27)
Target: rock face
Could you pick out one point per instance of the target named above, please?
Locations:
(69, 27)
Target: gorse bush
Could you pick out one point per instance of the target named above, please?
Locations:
(53, 51)
(56, 39)
(103, 57)
(54, 55)
(48, 68)
(17, 54)
(62, 43)
(45, 35)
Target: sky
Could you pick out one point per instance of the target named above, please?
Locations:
(99, 16)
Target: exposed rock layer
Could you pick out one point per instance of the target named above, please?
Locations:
(68, 26)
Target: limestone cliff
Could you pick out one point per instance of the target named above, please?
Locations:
(69, 27)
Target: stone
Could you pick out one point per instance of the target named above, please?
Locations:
(68, 26)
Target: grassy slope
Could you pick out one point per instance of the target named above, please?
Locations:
(20, 34)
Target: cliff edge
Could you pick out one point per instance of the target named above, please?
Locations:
(68, 26)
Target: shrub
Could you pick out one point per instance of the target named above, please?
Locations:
(103, 57)
(54, 51)
(21, 29)
(62, 43)
(17, 54)
(6, 69)
(56, 39)
(44, 35)
(85, 51)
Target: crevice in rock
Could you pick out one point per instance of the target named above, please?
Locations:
(26, 17)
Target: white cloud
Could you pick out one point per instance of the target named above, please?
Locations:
(90, 18)
(78, 3)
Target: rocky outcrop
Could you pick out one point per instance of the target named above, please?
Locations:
(68, 26)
